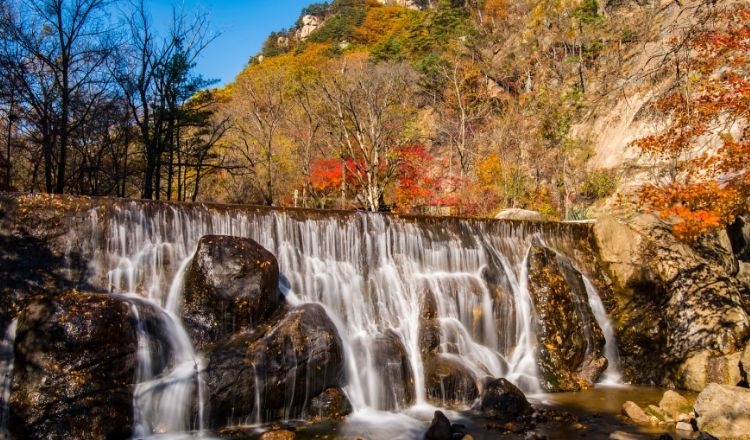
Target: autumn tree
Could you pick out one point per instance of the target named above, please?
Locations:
(705, 145)
(367, 107)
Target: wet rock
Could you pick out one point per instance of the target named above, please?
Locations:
(570, 354)
(74, 366)
(447, 379)
(230, 285)
(673, 404)
(724, 411)
(331, 404)
(636, 413)
(440, 428)
(503, 401)
(294, 360)
(394, 372)
(684, 427)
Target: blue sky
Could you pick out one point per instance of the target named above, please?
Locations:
(243, 26)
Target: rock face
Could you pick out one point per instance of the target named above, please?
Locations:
(75, 358)
(39, 237)
(503, 401)
(570, 355)
(680, 314)
(310, 23)
(281, 370)
(724, 411)
(231, 284)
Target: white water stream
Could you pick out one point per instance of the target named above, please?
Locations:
(371, 272)
(6, 373)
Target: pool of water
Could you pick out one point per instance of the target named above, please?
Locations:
(591, 414)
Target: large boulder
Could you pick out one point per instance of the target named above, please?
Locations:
(274, 375)
(679, 307)
(724, 411)
(570, 354)
(503, 401)
(230, 285)
(74, 367)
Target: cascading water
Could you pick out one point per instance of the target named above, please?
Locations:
(372, 273)
(6, 373)
(612, 375)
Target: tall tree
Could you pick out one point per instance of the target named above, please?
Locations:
(61, 47)
(156, 76)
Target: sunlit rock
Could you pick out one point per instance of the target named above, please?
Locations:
(230, 285)
(570, 354)
(724, 411)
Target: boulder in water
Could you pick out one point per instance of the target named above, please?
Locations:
(394, 372)
(724, 411)
(440, 428)
(278, 368)
(637, 414)
(674, 404)
(74, 366)
(230, 285)
(503, 401)
(331, 404)
(570, 355)
(447, 380)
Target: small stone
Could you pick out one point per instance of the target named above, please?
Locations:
(620, 435)
(659, 413)
(635, 413)
(682, 426)
(684, 418)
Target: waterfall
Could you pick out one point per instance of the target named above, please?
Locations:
(373, 274)
(612, 375)
(6, 373)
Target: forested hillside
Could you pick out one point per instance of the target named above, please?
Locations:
(436, 106)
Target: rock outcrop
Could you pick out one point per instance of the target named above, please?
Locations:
(570, 354)
(74, 367)
(230, 286)
(680, 313)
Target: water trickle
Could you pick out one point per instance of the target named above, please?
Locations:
(6, 375)
(612, 374)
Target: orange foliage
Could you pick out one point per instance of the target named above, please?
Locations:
(706, 192)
